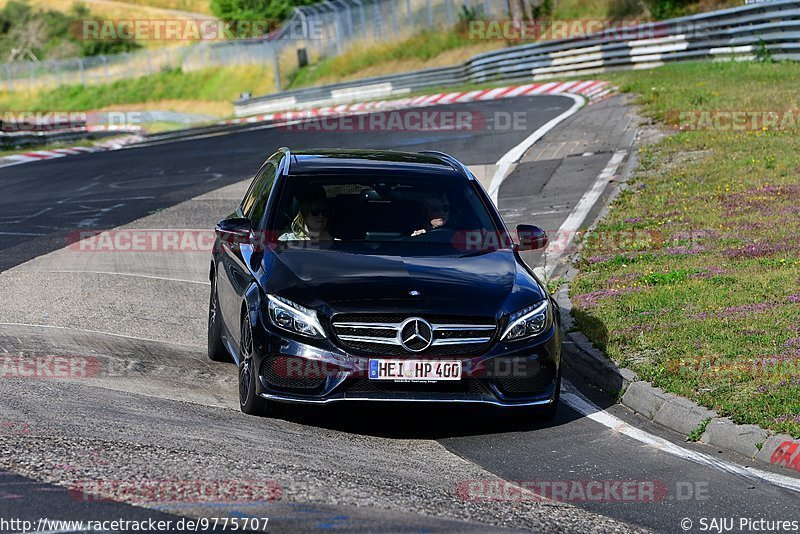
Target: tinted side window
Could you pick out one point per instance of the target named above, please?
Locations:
(255, 202)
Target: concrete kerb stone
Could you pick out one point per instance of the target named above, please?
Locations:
(780, 450)
(645, 399)
(682, 415)
(743, 439)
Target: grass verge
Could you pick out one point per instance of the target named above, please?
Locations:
(701, 294)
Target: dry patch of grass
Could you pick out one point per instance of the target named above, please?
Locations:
(214, 108)
(200, 88)
(132, 10)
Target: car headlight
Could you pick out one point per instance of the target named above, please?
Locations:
(529, 322)
(293, 317)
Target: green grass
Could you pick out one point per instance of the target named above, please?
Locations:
(704, 299)
(423, 46)
(215, 85)
(697, 433)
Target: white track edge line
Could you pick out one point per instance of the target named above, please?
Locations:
(580, 211)
(586, 408)
(507, 161)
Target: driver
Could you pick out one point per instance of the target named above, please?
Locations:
(437, 212)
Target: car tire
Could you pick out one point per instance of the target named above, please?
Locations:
(216, 348)
(249, 402)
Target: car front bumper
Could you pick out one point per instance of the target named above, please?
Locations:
(337, 376)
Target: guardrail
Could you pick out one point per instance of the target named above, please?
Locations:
(740, 33)
(39, 131)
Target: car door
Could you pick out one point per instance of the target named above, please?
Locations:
(236, 258)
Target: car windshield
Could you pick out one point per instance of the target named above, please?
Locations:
(376, 210)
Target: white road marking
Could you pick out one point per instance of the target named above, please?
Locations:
(585, 407)
(19, 233)
(566, 233)
(508, 161)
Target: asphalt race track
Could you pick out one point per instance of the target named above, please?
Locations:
(152, 407)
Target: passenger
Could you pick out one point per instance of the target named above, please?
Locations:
(311, 222)
(437, 211)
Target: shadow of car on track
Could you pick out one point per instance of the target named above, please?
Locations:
(419, 421)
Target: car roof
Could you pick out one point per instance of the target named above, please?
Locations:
(341, 161)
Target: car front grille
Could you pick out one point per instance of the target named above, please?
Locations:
(521, 377)
(295, 374)
(380, 334)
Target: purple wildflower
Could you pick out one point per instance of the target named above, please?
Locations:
(588, 300)
(788, 418)
(733, 311)
(685, 250)
(756, 250)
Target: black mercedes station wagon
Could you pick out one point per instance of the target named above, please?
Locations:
(380, 276)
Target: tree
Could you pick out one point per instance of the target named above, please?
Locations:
(274, 11)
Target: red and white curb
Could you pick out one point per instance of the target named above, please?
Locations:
(40, 155)
(592, 90)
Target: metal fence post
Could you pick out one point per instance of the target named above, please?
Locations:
(277, 68)
(395, 23)
(350, 23)
(449, 7)
(339, 41)
(80, 69)
(376, 12)
(362, 15)
(409, 14)
(430, 13)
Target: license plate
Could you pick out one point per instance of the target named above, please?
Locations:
(414, 370)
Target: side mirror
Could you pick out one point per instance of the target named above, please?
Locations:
(531, 237)
(234, 231)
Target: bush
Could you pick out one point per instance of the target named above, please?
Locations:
(667, 9)
(274, 11)
(625, 9)
(28, 34)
